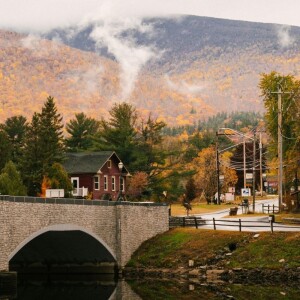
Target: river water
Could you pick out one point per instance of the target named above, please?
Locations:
(92, 287)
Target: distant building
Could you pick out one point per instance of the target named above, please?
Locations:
(100, 175)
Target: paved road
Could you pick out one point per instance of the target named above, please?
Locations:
(250, 224)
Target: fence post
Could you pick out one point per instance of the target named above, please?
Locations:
(272, 229)
(183, 221)
(196, 224)
(268, 208)
(240, 224)
(214, 224)
(273, 209)
(263, 208)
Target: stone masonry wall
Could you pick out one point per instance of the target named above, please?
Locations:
(122, 227)
(138, 225)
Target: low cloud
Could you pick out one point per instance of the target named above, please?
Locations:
(118, 36)
(284, 37)
(88, 80)
(184, 87)
(40, 46)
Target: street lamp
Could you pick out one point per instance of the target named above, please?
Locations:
(121, 182)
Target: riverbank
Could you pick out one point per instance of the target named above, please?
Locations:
(228, 256)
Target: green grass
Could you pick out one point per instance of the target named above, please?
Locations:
(176, 247)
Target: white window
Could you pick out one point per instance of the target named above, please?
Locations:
(75, 184)
(113, 183)
(122, 186)
(109, 164)
(105, 182)
(96, 182)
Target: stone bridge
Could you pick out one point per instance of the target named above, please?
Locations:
(97, 229)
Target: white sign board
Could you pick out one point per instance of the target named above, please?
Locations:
(55, 193)
(229, 197)
(245, 192)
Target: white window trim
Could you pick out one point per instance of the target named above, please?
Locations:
(113, 183)
(123, 185)
(109, 164)
(98, 177)
(105, 183)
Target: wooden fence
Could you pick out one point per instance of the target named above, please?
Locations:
(270, 209)
(193, 221)
(189, 221)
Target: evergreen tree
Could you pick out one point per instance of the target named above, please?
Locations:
(51, 134)
(190, 189)
(32, 161)
(119, 132)
(43, 146)
(11, 182)
(5, 148)
(16, 127)
(82, 132)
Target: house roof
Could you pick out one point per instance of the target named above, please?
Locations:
(83, 162)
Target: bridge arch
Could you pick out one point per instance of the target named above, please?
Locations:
(61, 228)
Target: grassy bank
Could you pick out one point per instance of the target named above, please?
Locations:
(176, 247)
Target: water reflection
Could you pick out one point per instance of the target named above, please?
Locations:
(66, 287)
(92, 287)
(189, 290)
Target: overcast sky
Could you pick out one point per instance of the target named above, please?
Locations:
(42, 15)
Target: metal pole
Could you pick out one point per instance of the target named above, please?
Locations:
(279, 148)
(244, 155)
(260, 165)
(254, 169)
(218, 170)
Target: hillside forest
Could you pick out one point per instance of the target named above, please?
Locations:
(165, 162)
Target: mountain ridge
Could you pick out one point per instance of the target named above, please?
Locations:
(184, 74)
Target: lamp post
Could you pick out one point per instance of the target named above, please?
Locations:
(121, 181)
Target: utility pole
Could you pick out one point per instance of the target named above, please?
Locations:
(260, 165)
(254, 168)
(279, 133)
(279, 147)
(244, 156)
(218, 170)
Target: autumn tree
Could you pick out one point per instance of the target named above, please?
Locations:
(137, 185)
(11, 182)
(229, 172)
(290, 130)
(205, 168)
(82, 131)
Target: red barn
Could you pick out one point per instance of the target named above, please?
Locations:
(100, 175)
